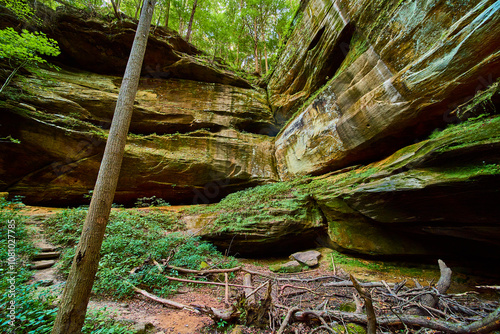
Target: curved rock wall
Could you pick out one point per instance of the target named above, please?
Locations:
(405, 66)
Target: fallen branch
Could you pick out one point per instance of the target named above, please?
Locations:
(214, 313)
(485, 325)
(290, 279)
(491, 287)
(256, 289)
(305, 289)
(226, 290)
(247, 280)
(442, 285)
(206, 282)
(164, 301)
(370, 312)
(202, 272)
(350, 284)
(285, 322)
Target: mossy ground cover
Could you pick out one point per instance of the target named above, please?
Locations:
(262, 203)
(133, 240)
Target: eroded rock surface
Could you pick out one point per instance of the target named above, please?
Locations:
(272, 219)
(404, 67)
(184, 145)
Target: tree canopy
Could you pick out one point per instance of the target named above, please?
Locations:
(243, 33)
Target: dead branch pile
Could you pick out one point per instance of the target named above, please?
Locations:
(284, 303)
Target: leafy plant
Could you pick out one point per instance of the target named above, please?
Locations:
(35, 314)
(133, 239)
(25, 49)
(151, 201)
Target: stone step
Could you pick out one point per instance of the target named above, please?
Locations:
(47, 255)
(44, 264)
(46, 249)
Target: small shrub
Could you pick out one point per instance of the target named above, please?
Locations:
(152, 201)
(132, 239)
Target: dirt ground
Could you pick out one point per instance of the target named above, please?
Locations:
(166, 320)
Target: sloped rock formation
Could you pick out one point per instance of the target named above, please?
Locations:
(162, 105)
(184, 145)
(445, 186)
(57, 165)
(391, 72)
(434, 198)
(271, 219)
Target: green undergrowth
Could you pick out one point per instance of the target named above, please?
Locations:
(34, 308)
(348, 262)
(281, 200)
(482, 103)
(469, 171)
(350, 179)
(470, 126)
(16, 248)
(134, 240)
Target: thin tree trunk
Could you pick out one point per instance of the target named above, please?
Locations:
(116, 8)
(188, 35)
(11, 76)
(265, 53)
(137, 8)
(256, 48)
(238, 54)
(168, 14)
(73, 305)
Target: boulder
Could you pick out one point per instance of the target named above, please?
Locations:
(288, 267)
(308, 258)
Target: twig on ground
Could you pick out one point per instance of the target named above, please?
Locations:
(370, 312)
(285, 322)
(205, 282)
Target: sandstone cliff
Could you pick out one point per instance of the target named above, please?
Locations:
(357, 91)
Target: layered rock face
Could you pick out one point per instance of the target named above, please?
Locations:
(437, 197)
(184, 145)
(389, 72)
(357, 90)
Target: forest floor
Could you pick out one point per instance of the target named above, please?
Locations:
(288, 290)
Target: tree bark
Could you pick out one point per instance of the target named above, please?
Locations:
(265, 53)
(256, 48)
(168, 14)
(371, 327)
(73, 305)
(137, 8)
(188, 34)
(116, 8)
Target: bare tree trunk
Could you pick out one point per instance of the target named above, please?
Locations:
(256, 48)
(138, 5)
(168, 14)
(12, 74)
(265, 53)
(116, 8)
(237, 54)
(73, 305)
(188, 35)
